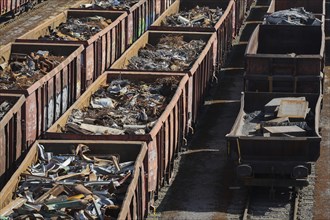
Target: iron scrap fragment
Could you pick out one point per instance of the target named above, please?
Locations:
(196, 17)
(172, 53)
(111, 4)
(75, 29)
(4, 108)
(75, 197)
(293, 16)
(24, 70)
(287, 116)
(136, 107)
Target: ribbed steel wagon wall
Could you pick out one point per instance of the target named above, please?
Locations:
(13, 6)
(11, 136)
(270, 65)
(225, 27)
(101, 50)
(48, 98)
(134, 204)
(201, 72)
(164, 140)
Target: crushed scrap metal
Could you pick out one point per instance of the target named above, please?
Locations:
(4, 108)
(196, 17)
(111, 4)
(293, 16)
(172, 53)
(123, 107)
(24, 70)
(78, 29)
(73, 186)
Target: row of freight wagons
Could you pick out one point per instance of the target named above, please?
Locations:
(48, 103)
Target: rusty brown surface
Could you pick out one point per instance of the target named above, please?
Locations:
(29, 21)
(322, 189)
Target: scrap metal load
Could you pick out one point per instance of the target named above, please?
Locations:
(111, 4)
(73, 186)
(4, 108)
(24, 70)
(172, 53)
(287, 117)
(123, 107)
(196, 17)
(75, 29)
(293, 16)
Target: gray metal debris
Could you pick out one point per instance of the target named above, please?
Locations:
(123, 107)
(172, 53)
(73, 186)
(196, 17)
(280, 117)
(111, 4)
(293, 16)
(4, 108)
(75, 29)
(24, 70)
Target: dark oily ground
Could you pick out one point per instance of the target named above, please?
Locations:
(204, 181)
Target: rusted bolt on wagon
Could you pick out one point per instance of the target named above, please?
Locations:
(195, 17)
(24, 70)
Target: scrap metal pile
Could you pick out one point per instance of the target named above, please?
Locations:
(123, 107)
(286, 117)
(111, 4)
(25, 69)
(75, 29)
(73, 186)
(4, 108)
(196, 17)
(172, 53)
(293, 16)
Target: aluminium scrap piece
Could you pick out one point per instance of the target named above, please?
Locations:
(24, 70)
(111, 4)
(75, 29)
(293, 16)
(123, 107)
(73, 186)
(172, 53)
(196, 17)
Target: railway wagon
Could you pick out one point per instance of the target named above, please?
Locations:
(14, 7)
(101, 50)
(287, 58)
(225, 27)
(275, 148)
(11, 134)
(284, 58)
(128, 198)
(48, 75)
(164, 137)
(201, 70)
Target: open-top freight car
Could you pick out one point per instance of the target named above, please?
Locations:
(275, 137)
(200, 69)
(164, 134)
(121, 194)
(15, 7)
(102, 48)
(287, 58)
(223, 22)
(49, 75)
